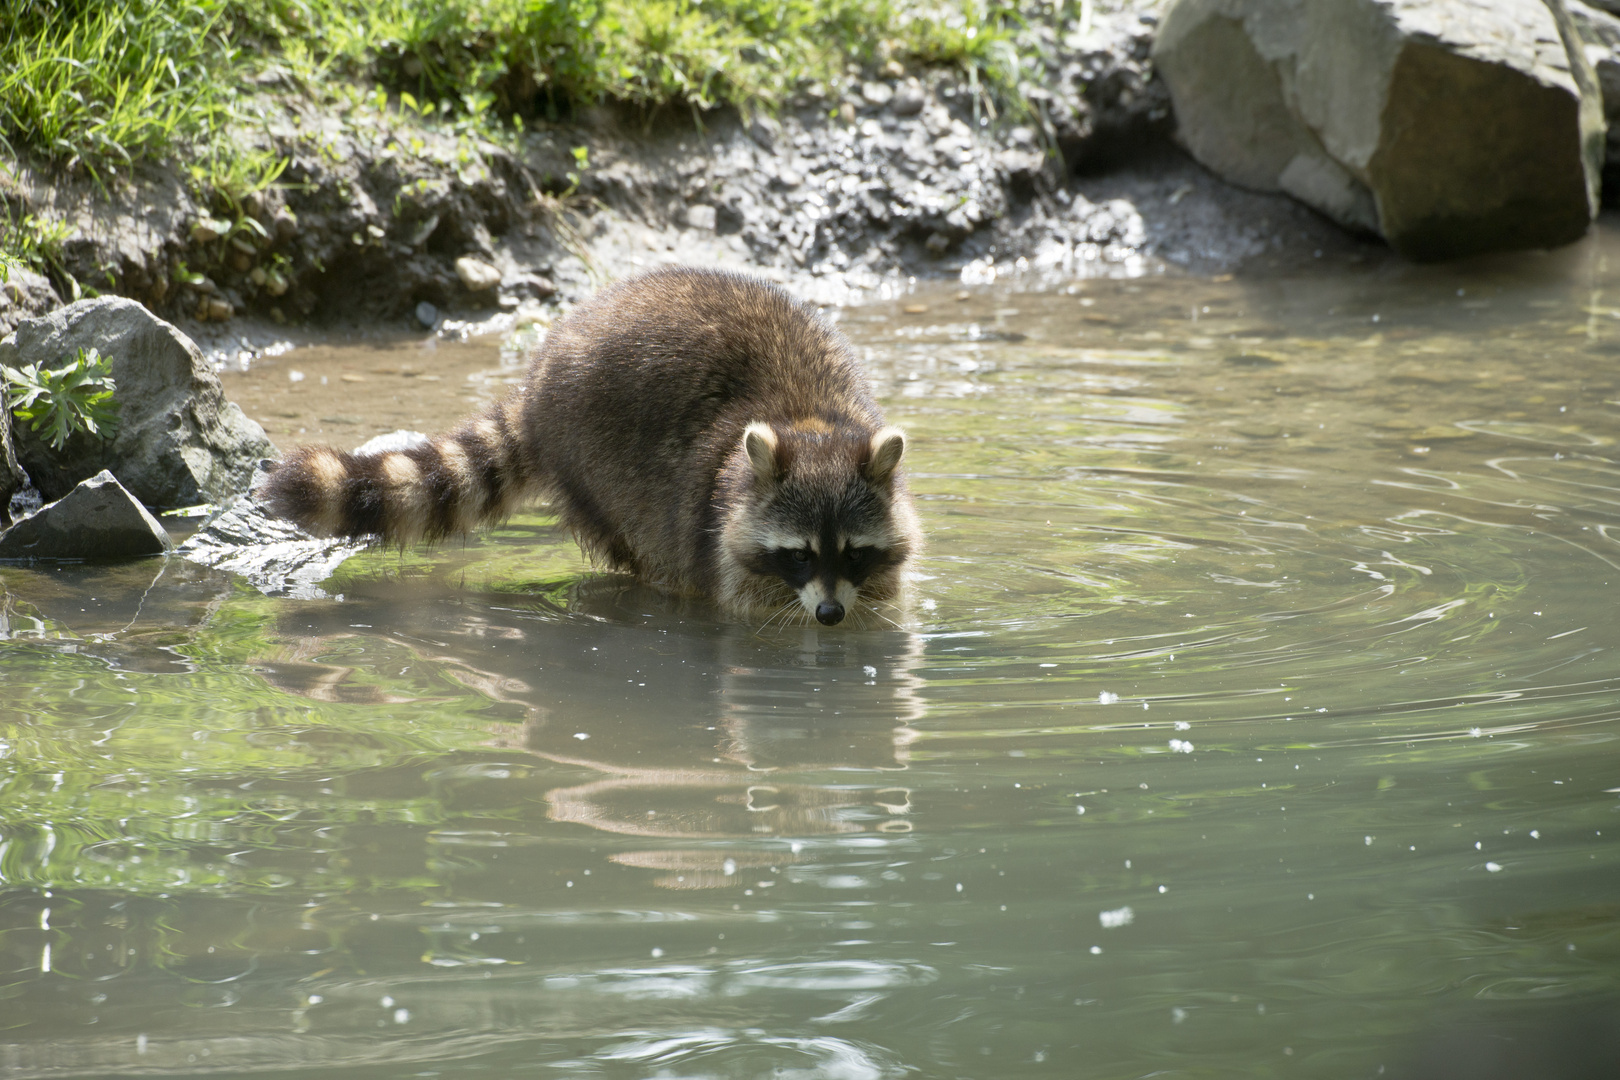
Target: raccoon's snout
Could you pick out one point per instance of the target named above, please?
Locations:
(829, 613)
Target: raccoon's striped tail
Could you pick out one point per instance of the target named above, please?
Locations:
(475, 475)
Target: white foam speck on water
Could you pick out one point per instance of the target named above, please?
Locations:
(1123, 916)
(1182, 725)
(1493, 867)
(1107, 697)
(1181, 746)
(581, 736)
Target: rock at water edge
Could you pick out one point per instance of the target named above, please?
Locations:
(276, 556)
(12, 478)
(1451, 127)
(179, 441)
(98, 519)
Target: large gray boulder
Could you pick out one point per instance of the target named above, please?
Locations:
(1451, 127)
(98, 519)
(179, 442)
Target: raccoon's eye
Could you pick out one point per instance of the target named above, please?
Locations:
(859, 555)
(801, 555)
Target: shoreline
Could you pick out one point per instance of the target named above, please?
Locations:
(386, 221)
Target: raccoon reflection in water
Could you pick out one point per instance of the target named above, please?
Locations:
(700, 429)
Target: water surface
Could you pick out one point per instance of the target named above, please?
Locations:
(1258, 720)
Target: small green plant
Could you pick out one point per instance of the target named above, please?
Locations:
(78, 396)
(35, 243)
(582, 161)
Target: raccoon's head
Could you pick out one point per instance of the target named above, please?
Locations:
(825, 518)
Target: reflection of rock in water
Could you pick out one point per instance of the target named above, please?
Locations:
(129, 614)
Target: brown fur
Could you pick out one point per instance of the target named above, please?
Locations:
(631, 423)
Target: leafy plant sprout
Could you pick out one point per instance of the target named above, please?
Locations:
(77, 396)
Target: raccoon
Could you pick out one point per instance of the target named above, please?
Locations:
(700, 429)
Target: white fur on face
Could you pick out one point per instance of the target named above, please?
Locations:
(775, 541)
(814, 594)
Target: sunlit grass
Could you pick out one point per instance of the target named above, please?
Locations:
(99, 85)
(105, 82)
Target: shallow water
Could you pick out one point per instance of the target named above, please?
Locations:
(1259, 720)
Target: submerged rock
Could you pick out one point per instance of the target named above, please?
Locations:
(1450, 128)
(98, 519)
(277, 557)
(179, 441)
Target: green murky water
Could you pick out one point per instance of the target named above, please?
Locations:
(1260, 721)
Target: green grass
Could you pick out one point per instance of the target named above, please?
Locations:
(102, 83)
(528, 57)
(98, 85)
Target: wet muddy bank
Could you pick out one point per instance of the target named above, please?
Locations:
(384, 219)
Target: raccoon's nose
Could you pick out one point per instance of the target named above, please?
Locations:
(829, 613)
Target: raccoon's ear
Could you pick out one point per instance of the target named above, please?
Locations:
(888, 447)
(759, 443)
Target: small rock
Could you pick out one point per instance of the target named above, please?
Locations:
(700, 216)
(476, 274)
(98, 519)
(285, 225)
(530, 313)
(526, 285)
(877, 93)
(764, 131)
(219, 310)
(427, 314)
(387, 443)
(909, 99)
(207, 230)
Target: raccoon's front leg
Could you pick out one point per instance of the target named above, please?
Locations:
(472, 476)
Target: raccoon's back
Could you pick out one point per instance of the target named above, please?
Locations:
(639, 398)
